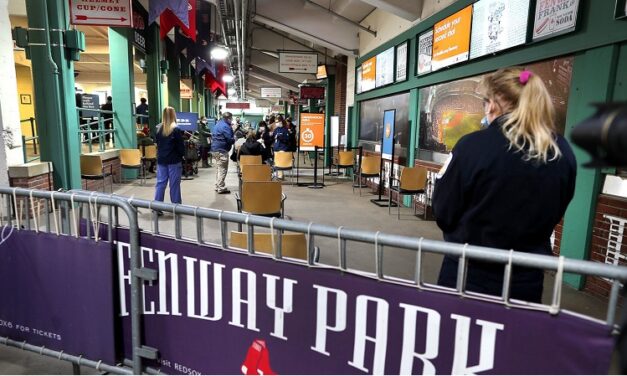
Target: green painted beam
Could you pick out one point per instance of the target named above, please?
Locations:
(174, 77)
(592, 81)
(53, 81)
(329, 111)
(154, 83)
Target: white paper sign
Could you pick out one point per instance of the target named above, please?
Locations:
(498, 25)
(292, 62)
(425, 49)
(401, 62)
(385, 67)
(554, 17)
(270, 92)
(335, 130)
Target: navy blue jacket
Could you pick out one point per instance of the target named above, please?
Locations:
(281, 139)
(170, 149)
(490, 196)
(222, 138)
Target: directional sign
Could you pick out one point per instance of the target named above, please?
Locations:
(101, 12)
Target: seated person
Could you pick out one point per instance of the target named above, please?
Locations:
(143, 139)
(251, 147)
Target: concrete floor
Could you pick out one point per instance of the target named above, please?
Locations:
(335, 204)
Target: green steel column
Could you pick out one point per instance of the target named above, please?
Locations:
(122, 87)
(154, 82)
(174, 77)
(328, 112)
(53, 80)
(414, 129)
(353, 134)
(593, 81)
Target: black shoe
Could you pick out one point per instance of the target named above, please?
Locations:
(224, 192)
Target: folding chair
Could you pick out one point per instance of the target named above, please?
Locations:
(413, 181)
(92, 168)
(345, 159)
(263, 198)
(293, 245)
(370, 168)
(149, 154)
(284, 161)
(131, 159)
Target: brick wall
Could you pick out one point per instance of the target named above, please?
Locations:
(340, 93)
(608, 244)
(43, 182)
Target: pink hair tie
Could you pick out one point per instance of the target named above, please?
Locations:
(524, 76)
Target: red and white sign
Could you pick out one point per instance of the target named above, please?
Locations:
(238, 105)
(101, 12)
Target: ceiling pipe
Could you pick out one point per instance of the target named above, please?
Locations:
(226, 44)
(236, 10)
(366, 29)
(243, 57)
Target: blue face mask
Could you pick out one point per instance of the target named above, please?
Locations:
(484, 122)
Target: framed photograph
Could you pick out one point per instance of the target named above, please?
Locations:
(621, 10)
(25, 99)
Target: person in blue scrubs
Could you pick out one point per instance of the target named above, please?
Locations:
(170, 152)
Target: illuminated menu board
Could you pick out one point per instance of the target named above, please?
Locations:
(498, 25)
(368, 74)
(451, 39)
(385, 67)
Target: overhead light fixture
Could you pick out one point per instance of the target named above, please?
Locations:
(232, 91)
(219, 52)
(228, 77)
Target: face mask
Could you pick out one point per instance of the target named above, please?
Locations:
(262, 129)
(484, 122)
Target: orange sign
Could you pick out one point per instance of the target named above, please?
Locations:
(311, 131)
(368, 74)
(186, 89)
(451, 39)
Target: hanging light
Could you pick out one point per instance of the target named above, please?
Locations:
(219, 52)
(232, 91)
(228, 77)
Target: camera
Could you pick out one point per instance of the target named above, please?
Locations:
(604, 135)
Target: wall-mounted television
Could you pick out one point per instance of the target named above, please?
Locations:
(498, 25)
(312, 92)
(385, 68)
(451, 39)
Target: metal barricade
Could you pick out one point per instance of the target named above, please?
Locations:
(87, 134)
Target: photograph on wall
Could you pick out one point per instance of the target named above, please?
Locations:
(371, 122)
(425, 49)
(498, 25)
(387, 143)
(451, 39)
(401, 62)
(554, 17)
(385, 67)
(368, 74)
(454, 109)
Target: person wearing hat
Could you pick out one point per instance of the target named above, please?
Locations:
(221, 142)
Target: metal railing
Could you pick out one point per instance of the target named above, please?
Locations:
(87, 133)
(9, 198)
(34, 140)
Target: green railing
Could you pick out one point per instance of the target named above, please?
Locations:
(34, 140)
(88, 134)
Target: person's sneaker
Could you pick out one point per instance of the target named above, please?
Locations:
(224, 192)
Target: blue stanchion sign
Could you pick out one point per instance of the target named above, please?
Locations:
(187, 121)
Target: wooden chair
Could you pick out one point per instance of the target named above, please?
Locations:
(149, 154)
(256, 172)
(284, 161)
(131, 159)
(92, 168)
(413, 181)
(345, 159)
(370, 168)
(263, 198)
(293, 245)
(248, 160)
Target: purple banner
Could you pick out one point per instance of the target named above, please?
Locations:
(222, 312)
(57, 292)
(178, 7)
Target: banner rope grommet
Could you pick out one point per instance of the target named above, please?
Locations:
(60, 355)
(557, 290)
(98, 365)
(41, 350)
(74, 222)
(80, 359)
(23, 345)
(32, 209)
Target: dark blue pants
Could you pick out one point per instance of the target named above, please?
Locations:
(171, 173)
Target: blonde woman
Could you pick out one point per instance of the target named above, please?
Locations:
(170, 152)
(507, 186)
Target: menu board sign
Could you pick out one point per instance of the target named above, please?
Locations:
(385, 68)
(401, 62)
(425, 50)
(451, 39)
(498, 25)
(368, 74)
(554, 17)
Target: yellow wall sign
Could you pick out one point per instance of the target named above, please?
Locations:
(311, 131)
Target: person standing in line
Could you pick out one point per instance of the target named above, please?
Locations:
(170, 152)
(291, 128)
(221, 143)
(142, 109)
(204, 135)
(478, 198)
(108, 118)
